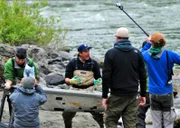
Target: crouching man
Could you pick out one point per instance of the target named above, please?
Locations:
(26, 100)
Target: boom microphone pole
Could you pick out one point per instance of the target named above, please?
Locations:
(121, 8)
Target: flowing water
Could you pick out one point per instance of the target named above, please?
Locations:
(95, 22)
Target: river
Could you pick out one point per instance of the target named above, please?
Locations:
(95, 22)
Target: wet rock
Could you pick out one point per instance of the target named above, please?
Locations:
(54, 79)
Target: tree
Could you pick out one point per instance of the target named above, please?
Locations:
(21, 22)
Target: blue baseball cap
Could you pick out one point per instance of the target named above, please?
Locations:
(83, 47)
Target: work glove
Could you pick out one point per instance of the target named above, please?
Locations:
(7, 85)
(98, 82)
(75, 80)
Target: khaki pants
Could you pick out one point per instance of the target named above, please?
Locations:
(126, 107)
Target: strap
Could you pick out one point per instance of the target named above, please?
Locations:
(92, 63)
(76, 63)
(170, 71)
(14, 70)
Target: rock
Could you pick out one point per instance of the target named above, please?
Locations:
(177, 123)
(54, 79)
(37, 54)
(99, 61)
(55, 61)
(7, 51)
(65, 55)
(53, 55)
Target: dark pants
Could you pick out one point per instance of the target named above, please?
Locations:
(141, 113)
(125, 106)
(68, 116)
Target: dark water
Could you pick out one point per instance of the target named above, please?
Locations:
(95, 21)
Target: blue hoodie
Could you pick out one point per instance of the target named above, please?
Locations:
(26, 104)
(158, 71)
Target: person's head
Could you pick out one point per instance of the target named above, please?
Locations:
(157, 40)
(122, 33)
(20, 55)
(84, 52)
(28, 82)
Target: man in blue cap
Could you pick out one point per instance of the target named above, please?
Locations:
(81, 72)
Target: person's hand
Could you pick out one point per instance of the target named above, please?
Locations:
(7, 85)
(22, 79)
(98, 82)
(75, 80)
(149, 39)
(142, 101)
(104, 103)
(36, 82)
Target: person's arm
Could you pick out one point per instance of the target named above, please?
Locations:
(143, 81)
(106, 75)
(174, 56)
(42, 96)
(9, 74)
(106, 78)
(96, 70)
(146, 46)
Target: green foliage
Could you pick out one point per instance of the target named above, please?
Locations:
(21, 23)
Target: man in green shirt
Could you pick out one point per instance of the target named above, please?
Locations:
(14, 67)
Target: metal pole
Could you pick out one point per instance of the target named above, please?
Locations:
(121, 8)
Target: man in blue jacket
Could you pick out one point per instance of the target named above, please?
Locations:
(26, 100)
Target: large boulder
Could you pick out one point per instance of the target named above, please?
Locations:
(54, 79)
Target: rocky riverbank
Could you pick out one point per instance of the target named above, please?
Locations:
(51, 67)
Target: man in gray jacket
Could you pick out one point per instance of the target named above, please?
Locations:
(26, 100)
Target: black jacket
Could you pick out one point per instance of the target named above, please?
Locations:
(76, 64)
(123, 70)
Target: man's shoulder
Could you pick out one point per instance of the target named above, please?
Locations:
(136, 50)
(93, 61)
(30, 61)
(9, 61)
(73, 60)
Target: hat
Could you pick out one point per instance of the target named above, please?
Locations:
(28, 82)
(156, 37)
(83, 47)
(21, 53)
(122, 32)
